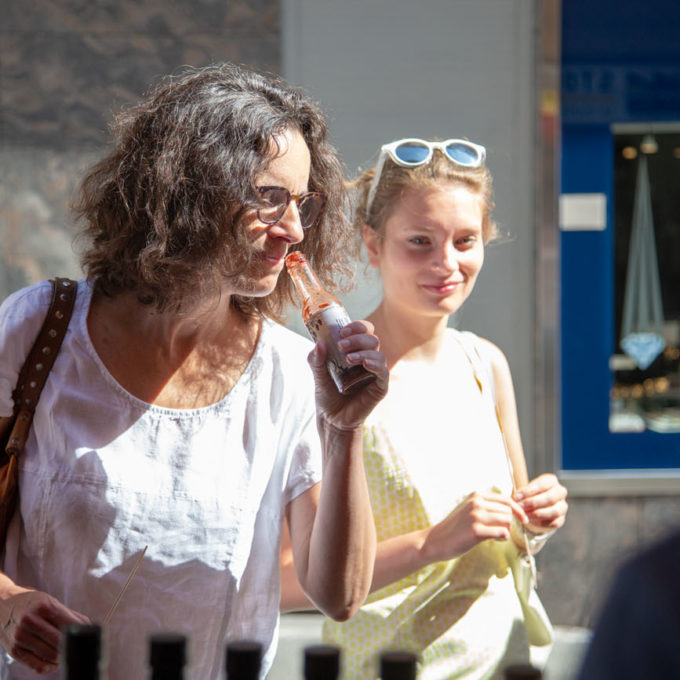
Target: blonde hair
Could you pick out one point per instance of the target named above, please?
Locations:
(395, 180)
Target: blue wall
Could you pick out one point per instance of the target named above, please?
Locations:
(620, 63)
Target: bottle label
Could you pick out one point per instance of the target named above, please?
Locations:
(325, 325)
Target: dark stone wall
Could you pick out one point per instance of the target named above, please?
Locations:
(66, 68)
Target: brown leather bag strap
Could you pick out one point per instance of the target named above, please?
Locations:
(37, 366)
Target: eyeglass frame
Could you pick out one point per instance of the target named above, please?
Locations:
(299, 200)
(390, 150)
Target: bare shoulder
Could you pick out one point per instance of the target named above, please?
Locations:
(495, 355)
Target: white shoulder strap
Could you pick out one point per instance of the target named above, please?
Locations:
(481, 363)
(483, 370)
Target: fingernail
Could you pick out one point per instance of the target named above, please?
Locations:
(353, 356)
(343, 344)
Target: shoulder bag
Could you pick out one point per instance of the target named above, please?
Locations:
(14, 430)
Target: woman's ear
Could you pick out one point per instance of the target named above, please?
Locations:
(372, 243)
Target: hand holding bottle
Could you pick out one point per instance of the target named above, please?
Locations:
(350, 372)
(348, 411)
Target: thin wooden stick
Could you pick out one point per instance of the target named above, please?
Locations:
(114, 606)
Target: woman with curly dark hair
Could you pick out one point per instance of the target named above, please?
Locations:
(179, 416)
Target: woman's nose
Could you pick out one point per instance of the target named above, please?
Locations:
(288, 227)
(447, 258)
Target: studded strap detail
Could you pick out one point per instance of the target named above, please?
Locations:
(39, 361)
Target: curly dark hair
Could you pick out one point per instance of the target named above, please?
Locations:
(162, 210)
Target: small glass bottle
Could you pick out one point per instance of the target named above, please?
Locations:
(324, 316)
(398, 665)
(322, 662)
(81, 652)
(522, 672)
(243, 660)
(167, 656)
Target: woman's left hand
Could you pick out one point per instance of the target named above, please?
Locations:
(361, 347)
(544, 501)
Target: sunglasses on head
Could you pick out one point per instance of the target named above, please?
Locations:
(411, 153)
(275, 202)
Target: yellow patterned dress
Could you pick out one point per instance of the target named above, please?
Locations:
(432, 441)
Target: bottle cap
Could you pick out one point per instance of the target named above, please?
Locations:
(296, 257)
(398, 665)
(81, 648)
(522, 672)
(322, 661)
(167, 650)
(244, 658)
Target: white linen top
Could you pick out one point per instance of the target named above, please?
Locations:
(105, 474)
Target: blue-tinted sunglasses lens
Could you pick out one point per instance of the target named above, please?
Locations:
(463, 154)
(411, 152)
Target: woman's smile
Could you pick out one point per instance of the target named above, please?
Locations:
(445, 288)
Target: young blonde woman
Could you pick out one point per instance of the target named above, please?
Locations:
(450, 494)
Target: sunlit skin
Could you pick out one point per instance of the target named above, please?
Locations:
(429, 255)
(271, 242)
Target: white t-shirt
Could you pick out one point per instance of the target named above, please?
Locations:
(105, 474)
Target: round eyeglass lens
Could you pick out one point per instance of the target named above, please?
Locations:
(463, 154)
(276, 201)
(310, 208)
(412, 152)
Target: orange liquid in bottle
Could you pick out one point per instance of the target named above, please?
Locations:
(324, 316)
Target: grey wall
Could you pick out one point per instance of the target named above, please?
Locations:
(386, 69)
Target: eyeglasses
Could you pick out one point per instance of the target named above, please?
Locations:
(277, 199)
(411, 153)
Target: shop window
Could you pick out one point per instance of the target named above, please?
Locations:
(645, 361)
